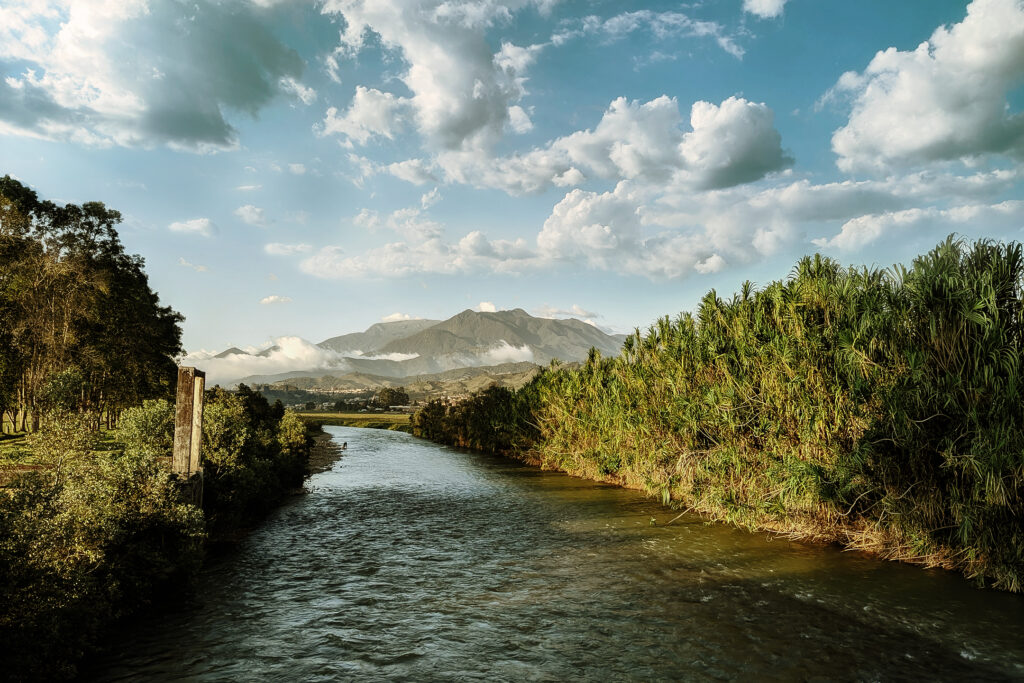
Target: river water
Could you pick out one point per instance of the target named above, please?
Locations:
(413, 561)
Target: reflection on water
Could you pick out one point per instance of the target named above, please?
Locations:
(409, 560)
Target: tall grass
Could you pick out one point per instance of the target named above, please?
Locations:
(881, 409)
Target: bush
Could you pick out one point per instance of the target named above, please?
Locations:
(83, 547)
(148, 430)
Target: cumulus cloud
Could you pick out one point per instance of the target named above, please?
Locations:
(135, 73)
(486, 307)
(461, 91)
(372, 113)
(864, 230)
(195, 226)
(765, 9)
(275, 299)
(668, 230)
(731, 144)
(297, 169)
(661, 25)
(728, 144)
(280, 249)
(945, 100)
(253, 215)
(415, 171)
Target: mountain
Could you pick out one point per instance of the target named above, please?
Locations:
(375, 336)
(472, 332)
(408, 348)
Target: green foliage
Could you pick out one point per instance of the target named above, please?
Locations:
(252, 453)
(292, 436)
(80, 327)
(879, 409)
(96, 533)
(148, 430)
(391, 396)
(80, 549)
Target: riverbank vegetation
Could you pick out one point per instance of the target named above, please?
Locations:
(397, 421)
(93, 524)
(879, 409)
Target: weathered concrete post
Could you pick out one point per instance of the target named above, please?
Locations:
(188, 431)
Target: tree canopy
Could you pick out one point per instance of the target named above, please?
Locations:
(74, 307)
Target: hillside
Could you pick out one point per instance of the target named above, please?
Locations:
(458, 382)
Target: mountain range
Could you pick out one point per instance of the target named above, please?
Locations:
(410, 348)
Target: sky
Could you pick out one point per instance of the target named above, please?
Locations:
(306, 169)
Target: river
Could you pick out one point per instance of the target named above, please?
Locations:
(413, 561)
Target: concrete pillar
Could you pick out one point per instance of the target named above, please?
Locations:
(188, 431)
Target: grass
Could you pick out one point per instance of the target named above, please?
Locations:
(394, 421)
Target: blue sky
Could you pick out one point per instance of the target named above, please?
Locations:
(308, 168)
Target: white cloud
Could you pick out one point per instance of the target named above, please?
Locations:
(728, 144)
(472, 253)
(486, 307)
(661, 25)
(92, 73)
(461, 91)
(195, 226)
(863, 230)
(665, 230)
(249, 188)
(731, 144)
(398, 357)
(506, 353)
(297, 169)
(275, 299)
(305, 94)
(765, 9)
(430, 198)
(193, 266)
(279, 249)
(415, 171)
(372, 113)
(253, 215)
(518, 120)
(410, 222)
(945, 100)
(574, 311)
(396, 317)
(286, 354)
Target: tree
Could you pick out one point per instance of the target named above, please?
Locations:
(391, 396)
(71, 299)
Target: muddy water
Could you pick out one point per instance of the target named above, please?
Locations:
(412, 561)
